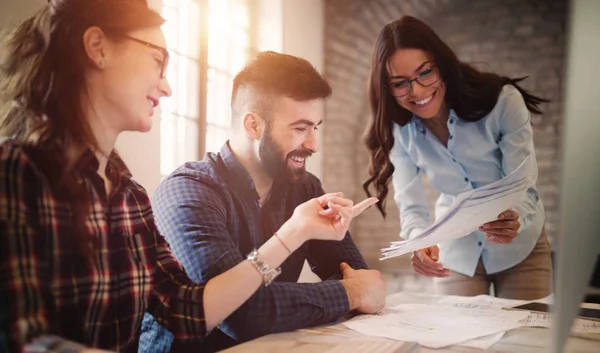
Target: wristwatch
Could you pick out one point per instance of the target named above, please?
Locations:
(268, 274)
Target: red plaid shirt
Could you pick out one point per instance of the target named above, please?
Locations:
(47, 293)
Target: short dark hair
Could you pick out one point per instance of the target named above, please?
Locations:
(271, 75)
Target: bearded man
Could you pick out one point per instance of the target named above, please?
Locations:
(215, 211)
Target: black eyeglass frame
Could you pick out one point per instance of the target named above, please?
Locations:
(413, 80)
(164, 51)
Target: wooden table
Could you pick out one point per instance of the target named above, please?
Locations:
(337, 338)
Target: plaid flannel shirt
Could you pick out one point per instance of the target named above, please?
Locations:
(56, 300)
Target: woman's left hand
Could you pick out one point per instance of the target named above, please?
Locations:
(504, 230)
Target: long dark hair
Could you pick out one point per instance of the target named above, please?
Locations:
(471, 93)
(42, 84)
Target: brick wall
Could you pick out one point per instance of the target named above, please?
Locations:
(510, 37)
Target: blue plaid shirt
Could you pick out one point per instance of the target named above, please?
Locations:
(210, 214)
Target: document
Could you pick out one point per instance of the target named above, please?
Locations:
(536, 319)
(470, 210)
(437, 326)
(480, 302)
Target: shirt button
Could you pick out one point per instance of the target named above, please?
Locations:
(451, 121)
(450, 137)
(480, 243)
(467, 180)
(453, 159)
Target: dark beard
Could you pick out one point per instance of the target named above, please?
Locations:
(270, 155)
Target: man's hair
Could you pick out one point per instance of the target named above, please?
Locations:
(270, 76)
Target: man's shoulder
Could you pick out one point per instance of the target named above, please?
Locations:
(208, 169)
(199, 176)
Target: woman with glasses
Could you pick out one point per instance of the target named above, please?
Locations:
(463, 128)
(80, 256)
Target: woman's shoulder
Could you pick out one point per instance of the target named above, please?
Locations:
(509, 97)
(20, 181)
(510, 102)
(15, 161)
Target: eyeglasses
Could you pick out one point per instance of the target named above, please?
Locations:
(425, 78)
(164, 63)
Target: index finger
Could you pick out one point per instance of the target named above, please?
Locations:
(363, 205)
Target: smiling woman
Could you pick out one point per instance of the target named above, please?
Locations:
(463, 128)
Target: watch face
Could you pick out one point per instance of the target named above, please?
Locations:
(268, 274)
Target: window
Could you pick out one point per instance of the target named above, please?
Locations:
(209, 42)
(228, 48)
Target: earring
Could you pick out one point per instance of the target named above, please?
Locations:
(101, 63)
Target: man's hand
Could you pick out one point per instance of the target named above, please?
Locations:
(365, 289)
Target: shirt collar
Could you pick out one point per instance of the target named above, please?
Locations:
(418, 121)
(116, 170)
(241, 179)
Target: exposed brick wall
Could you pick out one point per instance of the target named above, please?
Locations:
(510, 37)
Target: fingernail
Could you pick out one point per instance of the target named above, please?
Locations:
(502, 216)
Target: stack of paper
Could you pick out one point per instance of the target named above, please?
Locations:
(436, 321)
(436, 326)
(470, 210)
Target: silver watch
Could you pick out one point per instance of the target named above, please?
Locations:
(268, 274)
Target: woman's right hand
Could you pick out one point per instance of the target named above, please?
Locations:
(325, 218)
(425, 262)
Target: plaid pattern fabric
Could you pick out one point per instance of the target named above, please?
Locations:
(97, 300)
(210, 214)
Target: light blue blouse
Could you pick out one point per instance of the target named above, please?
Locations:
(478, 153)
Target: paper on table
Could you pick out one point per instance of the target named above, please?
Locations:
(469, 211)
(480, 302)
(534, 319)
(545, 320)
(438, 326)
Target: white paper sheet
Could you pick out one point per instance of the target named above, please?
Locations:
(469, 211)
(438, 326)
(545, 320)
(480, 302)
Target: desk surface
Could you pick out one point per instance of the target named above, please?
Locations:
(337, 338)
